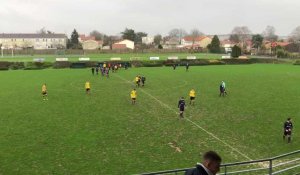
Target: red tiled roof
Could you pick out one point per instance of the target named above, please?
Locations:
(119, 46)
(84, 38)
(227, 42)
(282, 44)
(249, 43)
(190, 38)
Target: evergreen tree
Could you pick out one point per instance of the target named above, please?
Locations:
(257, 41)
(74, 42)
(139, 36)
(214, 46)
(129, 34)
(74, 37)
(236, 51)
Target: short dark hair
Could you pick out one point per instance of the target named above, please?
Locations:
(212, 156)
(289, 118)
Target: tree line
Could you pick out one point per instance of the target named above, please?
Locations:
(239, 34)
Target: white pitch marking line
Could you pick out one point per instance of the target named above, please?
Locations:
(209, 133)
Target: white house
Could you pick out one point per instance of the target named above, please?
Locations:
(148, 40)
(34, 40)
(227, 45)
(201, 41)
(125, 44)
(90, 42)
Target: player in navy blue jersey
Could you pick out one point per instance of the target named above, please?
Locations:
(181, 106)
(288, 127)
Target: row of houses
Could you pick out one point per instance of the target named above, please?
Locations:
(54, 41)
(57, 41)
(36, 41)
(90, 43)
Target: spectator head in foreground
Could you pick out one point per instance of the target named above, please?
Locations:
(212, 161)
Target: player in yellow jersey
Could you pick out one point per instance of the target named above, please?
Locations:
(44, 92)
(137, 81)
(87, 87)
(133, 96)
(192, 97)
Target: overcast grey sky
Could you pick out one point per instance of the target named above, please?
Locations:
(150, 16)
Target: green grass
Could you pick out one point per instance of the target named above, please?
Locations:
(108, 56)
(102, 133)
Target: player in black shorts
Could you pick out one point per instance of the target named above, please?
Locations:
(143, 79)
(187, 67)
(181, 105)
(222, 90)
(288, 127)
(93, 70)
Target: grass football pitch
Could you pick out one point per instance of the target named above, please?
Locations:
(102, 133)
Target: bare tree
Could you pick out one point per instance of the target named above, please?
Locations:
(195, 33)
(243, 33)
(269, 34)
(178, 33)
(98, 35)
(157, 39)
(42, 31)
(234, 38)
(295, 35)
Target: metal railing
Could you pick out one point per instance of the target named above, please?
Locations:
(270, 166)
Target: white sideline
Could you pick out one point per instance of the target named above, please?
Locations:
(209, 133)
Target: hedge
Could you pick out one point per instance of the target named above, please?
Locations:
(156, 63)
(17, 65)
(78, 65)
(265, 60)
(4, 65)
(297, 62)
(91, 63)
(236, 61)
(37, 65)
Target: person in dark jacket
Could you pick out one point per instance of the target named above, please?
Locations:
(287, 129)
(210, 165)
(187, 67)
(93, 70)
(143, 79)
(181, 105)
(174, 66)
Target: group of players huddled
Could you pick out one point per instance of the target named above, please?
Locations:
(140, 82)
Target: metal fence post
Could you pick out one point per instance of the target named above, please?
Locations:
(270, 167)
(225, 171)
